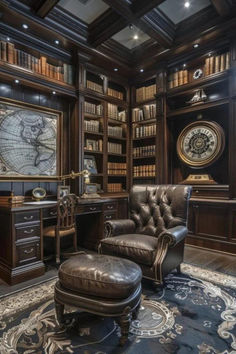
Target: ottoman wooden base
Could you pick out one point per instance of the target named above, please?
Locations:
(106, 272)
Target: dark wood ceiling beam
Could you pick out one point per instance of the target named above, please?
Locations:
(222, 7)
(141, 7)
(105, 26)
(45, 7)
(122, 8)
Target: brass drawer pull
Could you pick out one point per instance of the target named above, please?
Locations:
(28, 231)
(110, 207)
(53, 213)
(92, 209)
(28, 217)
(29, 251)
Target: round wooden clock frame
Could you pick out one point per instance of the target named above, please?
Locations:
(208, 140)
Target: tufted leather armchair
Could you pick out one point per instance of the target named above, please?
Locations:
(154, 235)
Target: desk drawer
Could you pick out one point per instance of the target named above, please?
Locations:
(50, 213)
(93, 208)
(26, 216)
(110, 216)
(110, 206)
(27, 253)
(27, 232)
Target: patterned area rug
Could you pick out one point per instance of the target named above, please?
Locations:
(194, 313)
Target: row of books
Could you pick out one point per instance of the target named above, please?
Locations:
(92, 108)
(144, 151)
(178, 78)
(115, 131)
(114, 148)
(116, 168)
(94, 86)
(113, 113)
(144, 131)
(114, 187)
(217, 63)
(144, 171)
(93, 145)
(144, 113)
(145, 93)
(20, 58)
(115, 93)
(91, 125)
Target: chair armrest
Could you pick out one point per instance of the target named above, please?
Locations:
(119, 227)
(174, 235)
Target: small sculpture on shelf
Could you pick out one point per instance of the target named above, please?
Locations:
(198, 97)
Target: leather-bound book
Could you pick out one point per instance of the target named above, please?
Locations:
(185, 76)
(211, 65)
(217, 63)
(207, 66)
(43, 65)
(176, 79)
(222, 62)
(227, 61)
(3, 51)
(10, 52)
(181, 77)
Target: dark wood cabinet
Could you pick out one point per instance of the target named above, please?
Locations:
(21, 251)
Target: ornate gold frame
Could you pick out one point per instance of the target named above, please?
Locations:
(59, 143)
(219, 150)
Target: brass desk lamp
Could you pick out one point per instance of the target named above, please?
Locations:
(90, 189)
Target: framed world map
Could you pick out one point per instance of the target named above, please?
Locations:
(29, 141)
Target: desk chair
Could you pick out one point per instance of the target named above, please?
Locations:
(66, 224)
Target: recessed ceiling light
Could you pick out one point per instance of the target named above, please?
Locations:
(186, 4)
(209, 54)
(135, 36)
(17, 81)
(196, 45)
(115, 69)
(8, 39)
(131, 26)
(141, 70)
(25, 26)
(53, 92)
(56, 41)
(184, 65)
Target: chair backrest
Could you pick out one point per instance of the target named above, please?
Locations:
(156, 208)
(66, 208)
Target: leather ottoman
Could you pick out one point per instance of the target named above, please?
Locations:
(99, 284)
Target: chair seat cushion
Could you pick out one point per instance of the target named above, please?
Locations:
(99, 275)
(49, 231)
(137, 247)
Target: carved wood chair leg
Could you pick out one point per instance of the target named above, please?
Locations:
(58, 250)
(136, 311)
(59, 313)
(178, 269)
(75, 242)
(125, 321)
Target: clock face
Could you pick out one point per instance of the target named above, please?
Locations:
(197, 74)
(200, 143)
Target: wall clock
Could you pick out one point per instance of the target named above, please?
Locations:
(197, 74)
(200, 143)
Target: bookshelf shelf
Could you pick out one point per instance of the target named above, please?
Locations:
(115, 121)
(101, 96)
(198, 107)
(93, 133)
(33, 79)
(200, 83)
(93, 116)
(110, 175)
(147, 121)
(116, 138)
(144, 157)
(93, 152)
(144, 177)
(145, 137)
(142, 103)
(114, 154)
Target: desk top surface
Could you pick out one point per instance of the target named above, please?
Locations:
(50, 204)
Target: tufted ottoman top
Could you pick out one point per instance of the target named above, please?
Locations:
(100, 275)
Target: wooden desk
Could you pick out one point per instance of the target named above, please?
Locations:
(21, 237)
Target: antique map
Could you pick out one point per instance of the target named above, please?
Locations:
(28, 141)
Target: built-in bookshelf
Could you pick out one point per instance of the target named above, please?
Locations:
(144, 113)
(41, 65)
(202, 67)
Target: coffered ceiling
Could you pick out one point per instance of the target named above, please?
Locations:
(128, 34)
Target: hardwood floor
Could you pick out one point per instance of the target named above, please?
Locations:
(212, 260)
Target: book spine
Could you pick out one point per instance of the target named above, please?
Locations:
(43, 61)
